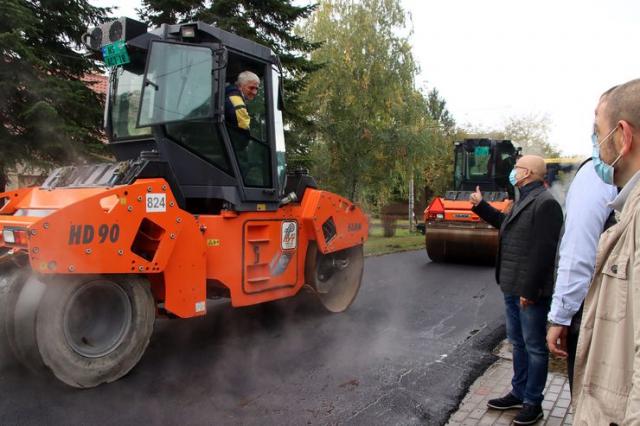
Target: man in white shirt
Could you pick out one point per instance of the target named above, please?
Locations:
(587, 213)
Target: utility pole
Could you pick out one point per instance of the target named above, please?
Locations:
(411, 202)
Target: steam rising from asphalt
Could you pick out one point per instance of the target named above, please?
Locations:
(283, 362)
(560, 186)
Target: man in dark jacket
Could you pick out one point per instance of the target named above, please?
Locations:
(525, 262)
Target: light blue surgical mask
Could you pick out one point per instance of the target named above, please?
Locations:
(603, 170)
(512, 177)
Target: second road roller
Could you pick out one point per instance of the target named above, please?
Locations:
(452, 231)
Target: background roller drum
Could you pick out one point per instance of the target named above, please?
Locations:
(334, 277)
(472, 244)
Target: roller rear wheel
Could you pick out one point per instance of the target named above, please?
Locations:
(93, 330)
(11, 282)
(335, 277)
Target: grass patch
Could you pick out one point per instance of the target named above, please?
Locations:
(402, 241)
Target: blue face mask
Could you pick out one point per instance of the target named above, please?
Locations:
(603, 170)
(512, 177)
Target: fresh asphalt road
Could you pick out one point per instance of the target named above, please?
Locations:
(404, 353)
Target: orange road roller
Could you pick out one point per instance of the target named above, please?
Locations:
(452, 231)
(193, 208)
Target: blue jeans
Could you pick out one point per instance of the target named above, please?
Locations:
(527, 332)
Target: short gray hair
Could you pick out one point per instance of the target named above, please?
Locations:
(623, 103)
(246, 77)
(606, 93)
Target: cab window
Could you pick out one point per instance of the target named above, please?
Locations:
(125, 102)
(250, 145)
(202, 137)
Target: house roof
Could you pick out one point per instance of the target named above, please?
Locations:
(97, 82)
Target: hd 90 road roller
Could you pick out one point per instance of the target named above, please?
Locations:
(452, 231)
(193, 208)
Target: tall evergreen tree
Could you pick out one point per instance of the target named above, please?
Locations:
(437, 110)
(48, 115)
(268, 22)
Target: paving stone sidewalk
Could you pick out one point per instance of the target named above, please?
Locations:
(496, 382)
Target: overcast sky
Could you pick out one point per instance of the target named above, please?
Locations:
(493, 59)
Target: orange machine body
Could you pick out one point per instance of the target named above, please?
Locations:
(458, 210)
(252, 257)
(453, 231)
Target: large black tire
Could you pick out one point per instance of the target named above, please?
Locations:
(7, 284)
(12, 282)
(335, 278)
(93, 330)
(21, 323)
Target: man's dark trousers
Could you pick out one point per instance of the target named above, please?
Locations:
(572, 344)
(527, 333)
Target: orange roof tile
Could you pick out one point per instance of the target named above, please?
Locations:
(97, 82)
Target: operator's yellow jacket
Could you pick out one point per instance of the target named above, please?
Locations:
(235, 109)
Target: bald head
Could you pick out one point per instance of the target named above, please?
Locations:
(535, 165)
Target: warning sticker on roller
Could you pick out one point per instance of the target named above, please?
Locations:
(289, 235)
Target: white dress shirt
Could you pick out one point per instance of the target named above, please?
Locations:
(587, 207)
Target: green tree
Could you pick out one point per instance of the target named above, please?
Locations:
(531, 132)
(352, 98)
(268, 22)
(437, 110)
(374, 132)
(48, 114)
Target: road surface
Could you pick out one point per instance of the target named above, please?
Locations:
(404, 353)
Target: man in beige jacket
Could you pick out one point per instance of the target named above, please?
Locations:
(607, 372)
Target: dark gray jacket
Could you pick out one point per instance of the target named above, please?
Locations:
(529, 236)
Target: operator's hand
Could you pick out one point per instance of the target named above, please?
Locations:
(557, 340)
(524, 302)
(475, 197)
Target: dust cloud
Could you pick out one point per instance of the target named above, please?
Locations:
(560, 186)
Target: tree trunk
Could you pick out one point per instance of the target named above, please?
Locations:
(4, 180)
(354, 186)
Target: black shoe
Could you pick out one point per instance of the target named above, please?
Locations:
(528, 415)
(504, 403)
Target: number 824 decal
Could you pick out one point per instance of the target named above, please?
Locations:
(156, 202)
